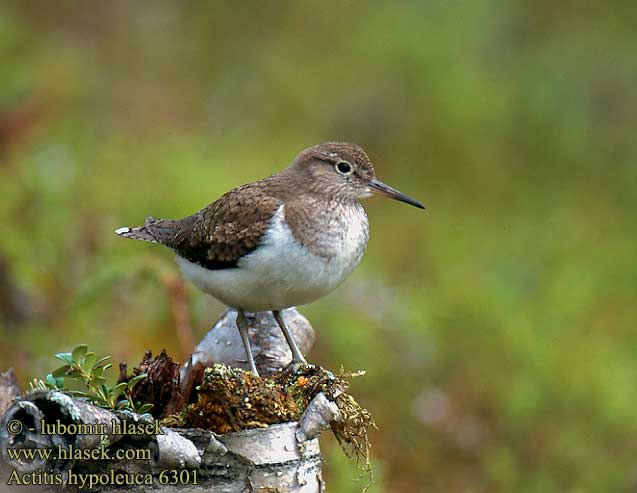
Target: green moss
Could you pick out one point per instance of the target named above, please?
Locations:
(230, 399)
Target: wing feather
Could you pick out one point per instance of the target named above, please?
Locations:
(218, 236)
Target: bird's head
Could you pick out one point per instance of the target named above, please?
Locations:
(343, 170)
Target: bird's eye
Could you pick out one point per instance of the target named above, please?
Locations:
(344, 168)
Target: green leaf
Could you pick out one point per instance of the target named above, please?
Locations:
(84, 366)
(117, 391)
(98, 399)
(144, 408)
(78, 393)
(65, 358)
(101, 361)
(123, 404)
(135, 380)
(89, 362)
(61, 371)
(79, 352)
(73, 373)
(98, 380)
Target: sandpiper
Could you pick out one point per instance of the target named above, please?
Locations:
(282, 241)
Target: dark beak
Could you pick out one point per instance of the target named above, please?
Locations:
(379, 187)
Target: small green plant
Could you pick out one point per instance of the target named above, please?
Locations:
(82, 365)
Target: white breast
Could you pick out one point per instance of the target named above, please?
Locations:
(281, 273)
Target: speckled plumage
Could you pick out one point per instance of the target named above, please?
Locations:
(285, 240)
(217, 236)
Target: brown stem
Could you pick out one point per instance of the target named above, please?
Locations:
(179, 305)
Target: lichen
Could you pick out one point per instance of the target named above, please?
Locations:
(67, 405)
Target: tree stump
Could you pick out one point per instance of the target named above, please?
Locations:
(249, 456)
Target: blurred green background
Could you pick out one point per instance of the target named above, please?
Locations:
(497, 328)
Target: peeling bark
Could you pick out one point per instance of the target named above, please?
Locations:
(281, 457)
(284, 457)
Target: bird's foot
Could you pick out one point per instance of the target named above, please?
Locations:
(255, 372)
(297, 367)
(252, 367)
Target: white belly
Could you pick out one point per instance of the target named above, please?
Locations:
(281, 273)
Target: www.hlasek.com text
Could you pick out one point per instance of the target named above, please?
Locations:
(70, 452)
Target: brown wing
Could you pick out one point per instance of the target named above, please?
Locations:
(219, 235)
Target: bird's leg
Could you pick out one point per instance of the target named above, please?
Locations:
(242, 325)
(297, 357)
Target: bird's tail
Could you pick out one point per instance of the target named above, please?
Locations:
(142, 233)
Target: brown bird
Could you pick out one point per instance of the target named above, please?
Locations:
(285, 240)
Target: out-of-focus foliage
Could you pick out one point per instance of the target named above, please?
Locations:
(497, 328)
